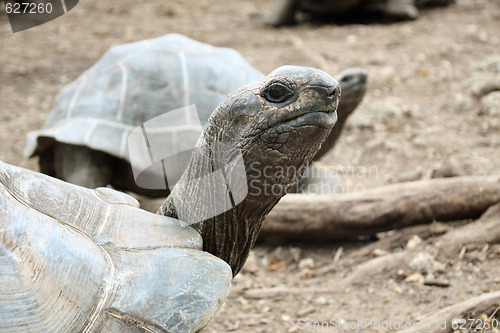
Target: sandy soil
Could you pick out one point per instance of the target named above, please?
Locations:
(422, 117)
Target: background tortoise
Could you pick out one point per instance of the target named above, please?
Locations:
(85, 139)
(283, 11)
(142, 272)
(319, 179)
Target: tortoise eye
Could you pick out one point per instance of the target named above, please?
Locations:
(277, 93)
(347, 78)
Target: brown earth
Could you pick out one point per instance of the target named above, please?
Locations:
(421, 118)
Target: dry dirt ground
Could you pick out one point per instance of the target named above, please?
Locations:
(422, 117)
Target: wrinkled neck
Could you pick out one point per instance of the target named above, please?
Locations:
(211, 196)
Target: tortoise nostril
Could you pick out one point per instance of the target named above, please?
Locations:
(334, 93)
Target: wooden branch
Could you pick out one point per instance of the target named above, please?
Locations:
(276, 292)
(348, 216)
(399, 239)
(441, 321)
(485, 230)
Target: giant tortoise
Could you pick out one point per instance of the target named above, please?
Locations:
(81, 260)
(283, 12)
(85, 139)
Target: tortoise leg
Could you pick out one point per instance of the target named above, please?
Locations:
(282, 13)
(124, 180)
(82, 166)
(401, 10)
(46, 163)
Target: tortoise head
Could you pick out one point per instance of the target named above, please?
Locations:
(353, 82)
(261, 139)
(278, 124)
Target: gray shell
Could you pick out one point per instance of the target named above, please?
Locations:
(135, 82)
(79, 260)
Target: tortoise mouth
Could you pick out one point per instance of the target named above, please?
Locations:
(323, 118)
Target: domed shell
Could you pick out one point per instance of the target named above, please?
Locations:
(135, 82)
(81, 260)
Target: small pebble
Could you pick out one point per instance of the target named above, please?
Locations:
(416, 278)
(424, 262)
(285, 317)
(306, 263)
(399, 290)
(413, 242)
(321, 300)
(379, 252)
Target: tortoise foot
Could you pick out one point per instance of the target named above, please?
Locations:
(282, 13)
(401, 10)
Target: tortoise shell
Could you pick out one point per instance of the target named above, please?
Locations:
(133, 83)
(80, 260)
